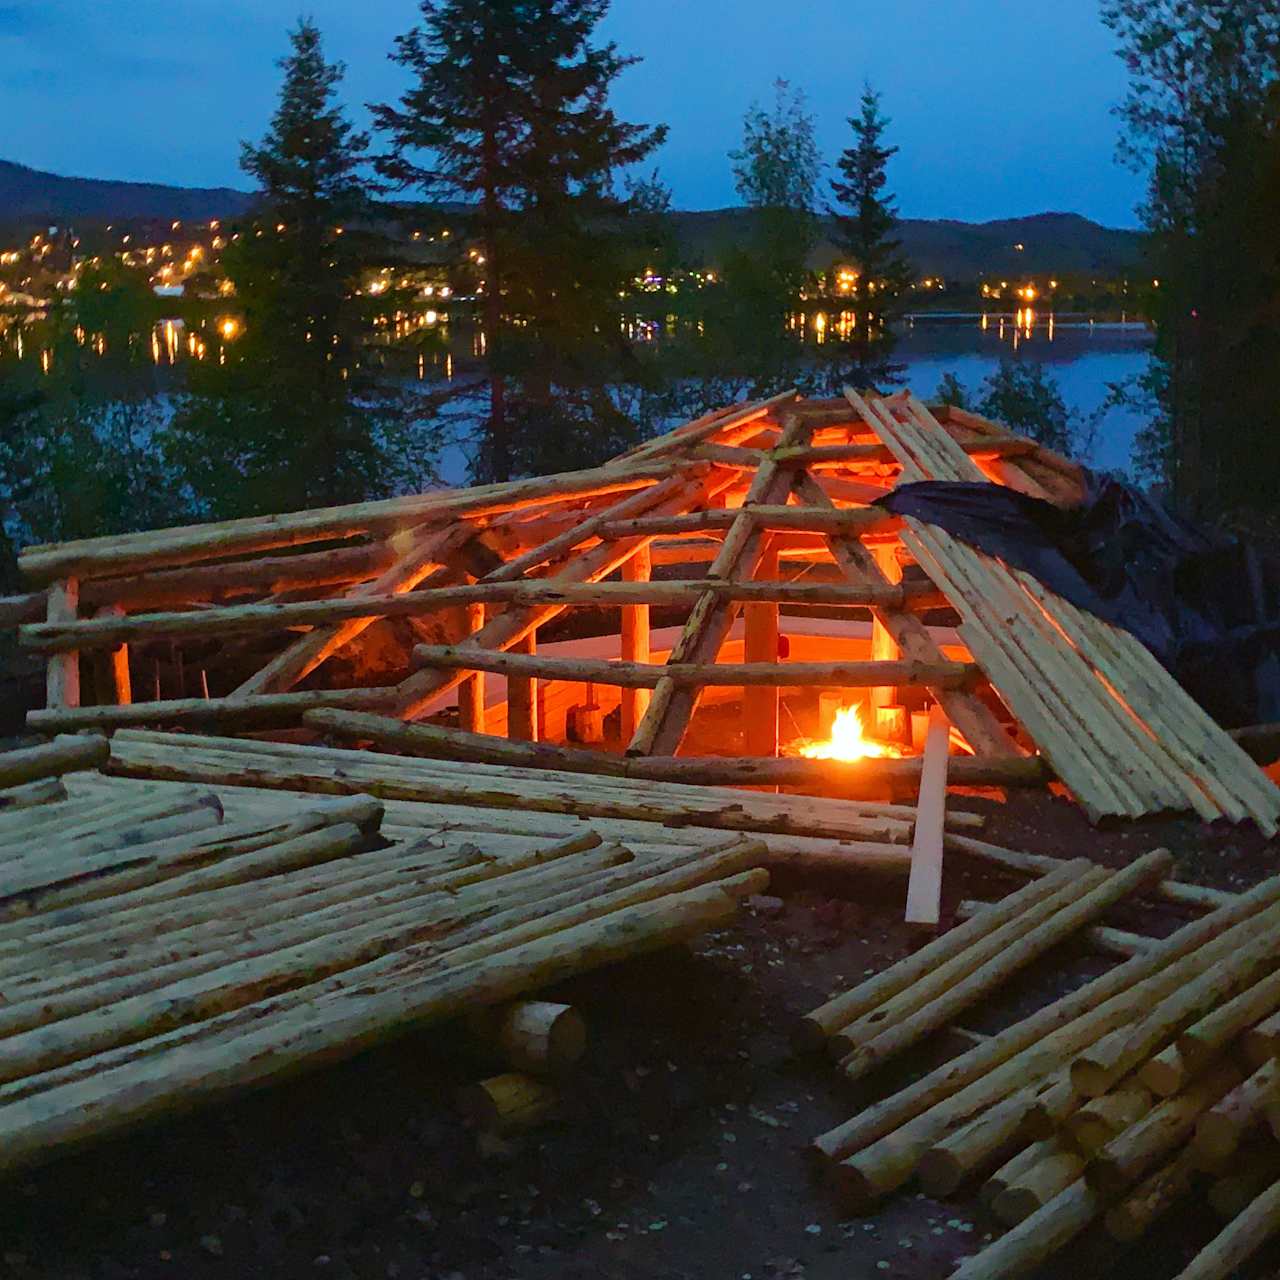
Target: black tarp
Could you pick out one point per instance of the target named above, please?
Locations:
(1207, 605)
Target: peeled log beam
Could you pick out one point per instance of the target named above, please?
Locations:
(31, 794)
(992, 447)
(63, 755)
(260, 711)
(506, 1103)
(351, 1020)
(248, 619)
(641, 675)
(769, 517)
(265, 575)
(1239, 1240)
(828, 775)
(533, 1035)
(128, 553)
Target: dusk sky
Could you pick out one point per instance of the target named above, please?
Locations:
(1001, 107)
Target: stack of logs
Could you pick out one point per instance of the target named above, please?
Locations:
(1157, 1081)
(161, 945)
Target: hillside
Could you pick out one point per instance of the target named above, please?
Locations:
(31, 194)
(1052, 242)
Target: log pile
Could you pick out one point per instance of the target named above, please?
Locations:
(238, 627)
(163, 944)
(1154, 1083)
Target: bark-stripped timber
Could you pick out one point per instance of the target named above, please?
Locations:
(966, 711)
(1221, 1128)
(1252, 1171)
(1200, 1043)
(29, 795)
(130, 553)
(471, 692)
(884, 648)
(1002, 447)
(924, 891)
(1161, 749)
(502, 632)
(815, 1028)
(761, 703)
(825, 776)
(423, 554)
(508, 1103)
(1239, 1240)
(1103, 1064)
(634, 642)
(63, 755)
(666, 720)
(719, 420)
(591, 526)
(880, 1147)
(264, 575)
(117, 663)
(1102, 938)
(1054, 920)
(513, 794)
(522, 696)
(259, 711)
(15, 610)
(101, 633)
(62, 670)
(533, 1035)
(643, 675)
(271, 1035)
(770, 518)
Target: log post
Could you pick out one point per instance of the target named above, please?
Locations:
(471, 692)
(635, 641)
(62, 672)
(883, 645)
(121, 684)
(760, 703)
(522, 696)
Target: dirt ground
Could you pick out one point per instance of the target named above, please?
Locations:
(678, 1151)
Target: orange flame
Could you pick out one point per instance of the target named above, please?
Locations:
(847, 741)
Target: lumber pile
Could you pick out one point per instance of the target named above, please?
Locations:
(163, 944)
(1156, 1082)
(429, 608)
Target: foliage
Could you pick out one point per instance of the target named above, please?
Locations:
(508, 113)
(1204, 115)
(296, 412)
(1026, 399)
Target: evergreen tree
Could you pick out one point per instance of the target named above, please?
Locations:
(508, 113)
(1203, 118)
(295, 412)
(866, 220)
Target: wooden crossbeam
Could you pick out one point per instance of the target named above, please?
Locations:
(667, 720)
(424, 553)
(420, 689)
(642, 675)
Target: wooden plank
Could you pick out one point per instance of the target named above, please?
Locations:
(924, 889)
(635, 642)
(62, 672)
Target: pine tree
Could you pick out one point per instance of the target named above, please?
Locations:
(866, 220)
(294, 411)
(508, 113)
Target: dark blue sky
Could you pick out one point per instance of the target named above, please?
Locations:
(1001, 107)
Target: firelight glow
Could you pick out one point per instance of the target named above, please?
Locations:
(847, 741)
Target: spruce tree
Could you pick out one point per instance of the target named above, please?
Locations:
(866, 219)
(294, 411)
(508, 113)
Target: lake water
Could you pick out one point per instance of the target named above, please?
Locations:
(1084, 358)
